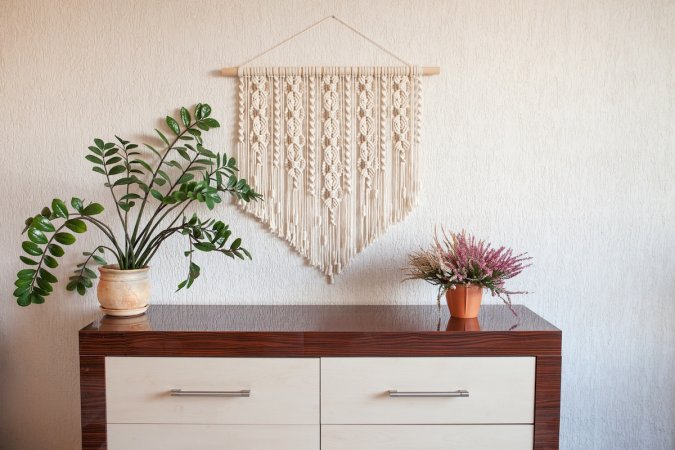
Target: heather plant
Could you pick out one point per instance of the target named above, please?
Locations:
(460, 258)
(160, 182)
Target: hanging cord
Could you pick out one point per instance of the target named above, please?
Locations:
(316, 24)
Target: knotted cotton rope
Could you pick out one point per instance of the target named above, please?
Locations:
(334, 151)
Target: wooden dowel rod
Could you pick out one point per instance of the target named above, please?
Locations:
(426, 71)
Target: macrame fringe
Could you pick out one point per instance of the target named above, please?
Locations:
(334, 151)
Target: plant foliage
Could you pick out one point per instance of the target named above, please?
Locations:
(151, 189)
(460, 258)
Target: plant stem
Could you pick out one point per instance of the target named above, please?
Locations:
(152, 180)
(119, 212)
(154, 244)
(109, 234)
(146, 229)
(86, 261)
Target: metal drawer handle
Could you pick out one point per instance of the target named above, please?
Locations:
(458, 393)
(182, 393)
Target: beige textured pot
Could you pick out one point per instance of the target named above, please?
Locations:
(123, 292)
(464, 300)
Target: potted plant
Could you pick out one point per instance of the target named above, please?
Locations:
(462, 266)
(151, 189)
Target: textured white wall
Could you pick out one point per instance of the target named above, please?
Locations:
(551, 128)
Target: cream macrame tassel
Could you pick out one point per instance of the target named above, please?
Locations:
(334, 150)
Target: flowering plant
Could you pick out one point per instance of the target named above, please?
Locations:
(460, 258)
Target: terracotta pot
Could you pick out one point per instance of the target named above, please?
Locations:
(464, 300)
(123, 292)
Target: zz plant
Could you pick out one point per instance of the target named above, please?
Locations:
(151, 190)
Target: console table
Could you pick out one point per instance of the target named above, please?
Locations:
(329, 377)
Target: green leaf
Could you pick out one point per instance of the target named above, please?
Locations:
(205, 152)
(59, 208)
(158, 195)
(92, 209)
(173, 125)
(126, 206)
(211, 123)
(204, 246)
(40, 291)
(56, 250)
(76, 203)
(205, 111)
(97, 169)
(99, 143)
(185, 178)
(93, 159)
(80, 288)
(36, 298)
(122, 141)
(37, 236)
(26, 274)
(124, 181)
(145, 165)
(235, 245)
(114, 160)
(42, 223)
(44, 285)
(18, 292)
(64, 238)
(185, 117)
(164, 175)
(99, 260)
(22, 283)
(47, 276)
(31, 248)
(24, 300)
(76, 225)
(161, 135)
(117, 170)
(183, 153)
(95, 150)
(50, 262)
(27, 260)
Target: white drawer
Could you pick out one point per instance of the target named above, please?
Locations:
(356, 390)
(282, 390)
(212, 437)
(426, 437)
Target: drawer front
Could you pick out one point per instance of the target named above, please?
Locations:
(427, 437)
(357, 390)
(282, 390)
(212, 437)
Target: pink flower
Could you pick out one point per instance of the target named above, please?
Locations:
(462, 259)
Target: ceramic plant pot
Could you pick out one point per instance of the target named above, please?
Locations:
(123, 292)
(464, 300)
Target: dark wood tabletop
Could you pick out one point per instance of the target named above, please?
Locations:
(320, 318)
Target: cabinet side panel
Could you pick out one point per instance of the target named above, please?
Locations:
(547, 403)
(92, 400)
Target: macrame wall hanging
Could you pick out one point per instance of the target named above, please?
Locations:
(333, 150)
